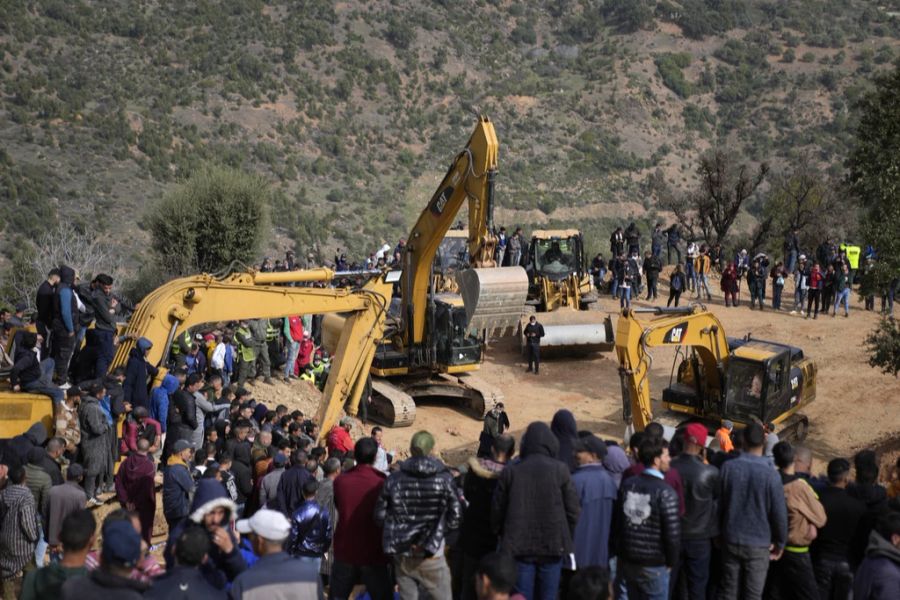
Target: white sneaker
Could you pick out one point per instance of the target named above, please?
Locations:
(793, 312)
(65, 386)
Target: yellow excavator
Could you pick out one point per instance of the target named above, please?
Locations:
(559, 285)
(436, 338)
(190, 301)
(742, 380)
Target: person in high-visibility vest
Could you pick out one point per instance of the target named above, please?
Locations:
(260, 329)
(181, 346)
(246, 347)
(853, 254)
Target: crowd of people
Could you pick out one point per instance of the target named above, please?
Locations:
(823, 280)
(257, 501)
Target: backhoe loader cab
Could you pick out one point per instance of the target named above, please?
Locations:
(554, 255)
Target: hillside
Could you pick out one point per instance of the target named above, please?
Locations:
(353, 109)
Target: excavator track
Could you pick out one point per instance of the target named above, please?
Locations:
(391, 405)
(393, 402)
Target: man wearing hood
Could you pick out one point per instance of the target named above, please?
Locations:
(64, 323)
(476, 537)
(161, 396)
(135, 487)
(878, 577)
(565, 430)
(137, 371)
(418, 505)
(213, 511)
(537, 529)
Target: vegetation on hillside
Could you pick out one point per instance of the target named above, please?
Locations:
(352, 110)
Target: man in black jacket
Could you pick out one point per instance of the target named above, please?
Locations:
(832, 546)
(182, 420)
(647, 526)
(537, 528)
(700, 523)
(534, 331)
(418, 505)
(44, 303)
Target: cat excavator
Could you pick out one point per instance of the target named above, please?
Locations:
(436, 339)
(742, 380)
(560, 287)
(183, 303)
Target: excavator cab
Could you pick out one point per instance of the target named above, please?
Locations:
(455, 343)
(761, 384)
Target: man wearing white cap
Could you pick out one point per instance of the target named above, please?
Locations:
(276, 574)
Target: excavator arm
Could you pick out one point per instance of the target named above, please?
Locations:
(470, 178)
(183, 303)
(636, 335)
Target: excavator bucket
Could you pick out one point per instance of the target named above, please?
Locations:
(574, 333)
(494, 298)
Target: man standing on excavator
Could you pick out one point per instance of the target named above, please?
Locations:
(246, 353)
(260, 327)
(534, 331)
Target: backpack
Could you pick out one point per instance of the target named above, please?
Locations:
(677, 282)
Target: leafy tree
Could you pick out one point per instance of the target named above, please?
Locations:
(709, 211)
(217, 217)
(629, 15)
(799, 198)
(883, 345)
(875, 181)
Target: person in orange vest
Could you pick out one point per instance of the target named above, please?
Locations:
(723, 436)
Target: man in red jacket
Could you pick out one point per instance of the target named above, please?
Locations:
(339, 441)
(358, 555)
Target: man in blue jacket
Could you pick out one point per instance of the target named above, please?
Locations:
(161, 396)
(753, 518)
(64, 325)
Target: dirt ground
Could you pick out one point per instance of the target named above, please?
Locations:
(855, 407)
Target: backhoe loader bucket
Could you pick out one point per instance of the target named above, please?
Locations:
(573, 333)
(494, 298)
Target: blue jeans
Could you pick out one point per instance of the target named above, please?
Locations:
(791, 260)
(645, 583)
(656, 250)
(538, 581)
(690, 275)
(614, 287)
(776, 296)
(40, 550)
(45, 385)
(293, 349)
(625, 297)
(104, 352)
(842, 296)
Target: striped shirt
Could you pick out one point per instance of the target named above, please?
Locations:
(18, 529)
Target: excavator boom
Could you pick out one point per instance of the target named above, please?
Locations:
(636, 335)
(190, 301)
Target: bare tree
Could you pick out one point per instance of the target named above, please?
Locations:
(62, 245)
(709, 212)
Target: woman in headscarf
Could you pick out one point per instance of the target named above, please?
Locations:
(565, 429)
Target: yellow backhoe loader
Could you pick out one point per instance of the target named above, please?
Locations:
(559, 285)
(742, 380)
(437, 338)
(190, 301)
